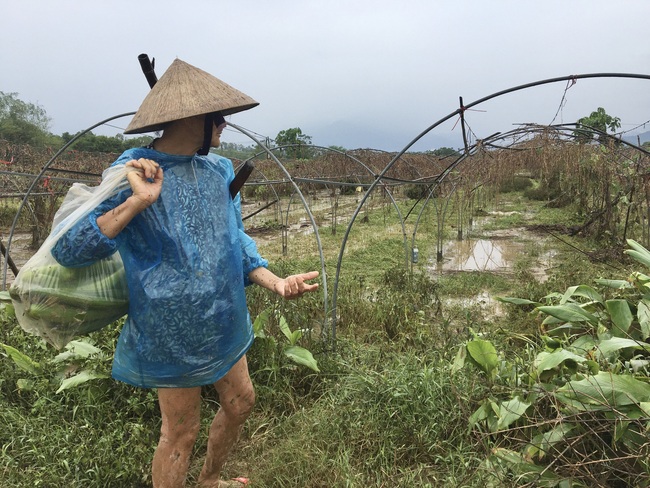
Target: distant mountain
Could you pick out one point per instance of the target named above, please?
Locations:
(644, 137)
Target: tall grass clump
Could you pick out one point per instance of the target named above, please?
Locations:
(399, 422)
(402, 309)
(515, 184)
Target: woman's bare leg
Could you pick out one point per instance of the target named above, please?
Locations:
(236, 397)
(181, 411)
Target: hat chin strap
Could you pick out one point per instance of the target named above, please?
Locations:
(212, 119)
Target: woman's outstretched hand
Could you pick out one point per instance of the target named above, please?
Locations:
(294, 286)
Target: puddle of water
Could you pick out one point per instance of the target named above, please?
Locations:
(474, 255)
(498, 255)
(495, 252)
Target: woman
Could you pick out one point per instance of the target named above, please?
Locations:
(187, 260)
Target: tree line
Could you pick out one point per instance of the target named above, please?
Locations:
(28, 123)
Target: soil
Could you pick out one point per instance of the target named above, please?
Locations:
(20, 251)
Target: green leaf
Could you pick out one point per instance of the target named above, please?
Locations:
(510, 411)
(24, 384)
(569, 312)
(563, 330)
(617, 284)
(581, 291)
(645, 408)
(593, 366)
(77, 350)
(639, 280)
(641, 257)
(583, 344)
(459, 360)
(604, 390)
(295, 337)
(79, 379)
(23, 361)
(480, 414)
(525, 471)
(542, 444)
(300, 355)
(549, 360)
(284, 327)
(637, 247)
(643, 316)
(260, 324)
(82, 349)
(638, 252)
(608, 346)
(621, 315)
(484, 354)
(550, 320)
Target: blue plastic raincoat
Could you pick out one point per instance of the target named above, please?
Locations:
(187, 261)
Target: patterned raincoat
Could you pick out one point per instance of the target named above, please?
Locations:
(187, 260)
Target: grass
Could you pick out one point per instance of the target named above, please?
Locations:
(384, 411)
(410, 399)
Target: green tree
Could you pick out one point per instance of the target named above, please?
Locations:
(295, 138)
(26, 123)
(106, 144)
(445, 151)
(233, 150)
(595, 126)
(22, 122)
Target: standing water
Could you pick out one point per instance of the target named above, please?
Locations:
(494, 252)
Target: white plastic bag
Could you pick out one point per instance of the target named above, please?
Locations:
(59, 303)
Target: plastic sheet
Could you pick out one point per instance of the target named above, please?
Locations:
(59, 303)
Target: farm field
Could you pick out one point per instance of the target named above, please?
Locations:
(473, 365)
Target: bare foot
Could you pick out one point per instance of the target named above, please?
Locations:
(235, 482)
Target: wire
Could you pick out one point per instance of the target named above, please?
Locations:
(635, 128)
(115, 127)
(229, 129)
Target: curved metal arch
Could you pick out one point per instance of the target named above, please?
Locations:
(459, 111)
(307, 209)
(402, 219)
(336, 183)
(562, 129)
(267, 181)
(267, 150)
(469, 151)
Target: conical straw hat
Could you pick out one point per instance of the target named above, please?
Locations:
(185, 91)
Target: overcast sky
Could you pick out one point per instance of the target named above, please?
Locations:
(352, 73)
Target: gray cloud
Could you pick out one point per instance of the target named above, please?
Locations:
(349, 73)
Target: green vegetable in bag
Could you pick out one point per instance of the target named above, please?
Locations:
(59, 303)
